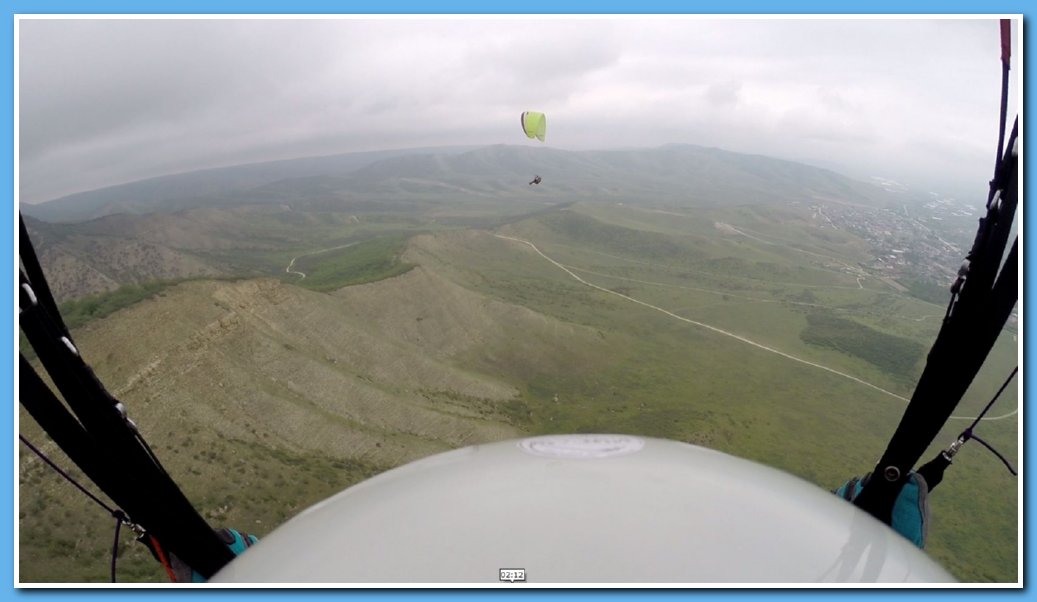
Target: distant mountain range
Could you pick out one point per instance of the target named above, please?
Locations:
(679, 175)
(218, 221)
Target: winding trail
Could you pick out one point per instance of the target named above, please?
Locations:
(690, 288)
(730, 334)
(318, 252)
(291, 271)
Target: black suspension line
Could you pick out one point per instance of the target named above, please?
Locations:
(982, 299)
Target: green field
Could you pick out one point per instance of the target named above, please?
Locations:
(358, 263)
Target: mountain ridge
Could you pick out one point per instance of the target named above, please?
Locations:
(674, 173)
(196, 185)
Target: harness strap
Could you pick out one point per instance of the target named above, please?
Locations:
(985, 298)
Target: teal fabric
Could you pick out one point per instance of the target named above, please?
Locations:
(910, 511)
(237, 543)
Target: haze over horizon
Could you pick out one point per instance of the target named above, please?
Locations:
(109, 101)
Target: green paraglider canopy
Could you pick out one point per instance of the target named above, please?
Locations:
(534, 124)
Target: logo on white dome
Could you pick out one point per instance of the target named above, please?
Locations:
(581, 446)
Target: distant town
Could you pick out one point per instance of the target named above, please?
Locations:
(918, 244)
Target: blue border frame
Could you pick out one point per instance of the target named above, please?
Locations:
(7, 223)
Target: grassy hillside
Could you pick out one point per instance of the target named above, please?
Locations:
(102, 255)
(679, 380)
(240, 386)
(722, 327)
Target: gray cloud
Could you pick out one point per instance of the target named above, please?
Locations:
(104, 101)
(723, 93)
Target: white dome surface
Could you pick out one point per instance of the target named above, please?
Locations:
(584, 509)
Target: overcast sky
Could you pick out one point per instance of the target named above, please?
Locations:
(104, 101)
